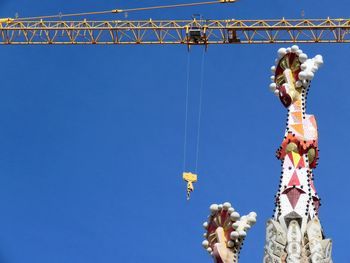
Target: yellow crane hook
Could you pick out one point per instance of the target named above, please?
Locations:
(190, 178)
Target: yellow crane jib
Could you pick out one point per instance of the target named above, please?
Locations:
(190, 178)
(6, 20)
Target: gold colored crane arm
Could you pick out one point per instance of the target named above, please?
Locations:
(182, 32)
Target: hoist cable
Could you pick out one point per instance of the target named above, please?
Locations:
(200, 109)
(118, 11)
(171, 6)
(64, 15)
(186, 107)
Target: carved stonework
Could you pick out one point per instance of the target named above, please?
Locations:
(276, 241)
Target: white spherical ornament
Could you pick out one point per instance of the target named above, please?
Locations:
(226, 205)
(234, 216)
(277, 92)
(299, 51)
(252, 214)
(251, 220)
(309, 75)
(302, 57)
(302, 75)
(314, 69)
(205, 235)
(205, 225)
(205, 243)
(298, 83)
(230, 244)
(209, 250)
(281, 52)
(234, 235)
(214, 208)
(303, 66)
(273, 86)
(242, 233)
(289, 50)
(235, 225)
(318, 60)
(294, 48)
(231, 210)
(272, 78)
(220, 206)
(273, 69)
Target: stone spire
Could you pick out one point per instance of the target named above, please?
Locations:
(294, 235)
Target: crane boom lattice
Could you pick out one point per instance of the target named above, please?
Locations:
(186, 32)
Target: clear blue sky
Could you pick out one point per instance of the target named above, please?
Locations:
(91, 140)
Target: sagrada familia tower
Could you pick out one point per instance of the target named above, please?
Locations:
(294, 234)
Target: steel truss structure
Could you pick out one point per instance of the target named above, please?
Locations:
(186, 32)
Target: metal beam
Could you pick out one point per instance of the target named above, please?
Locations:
(185, 32)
